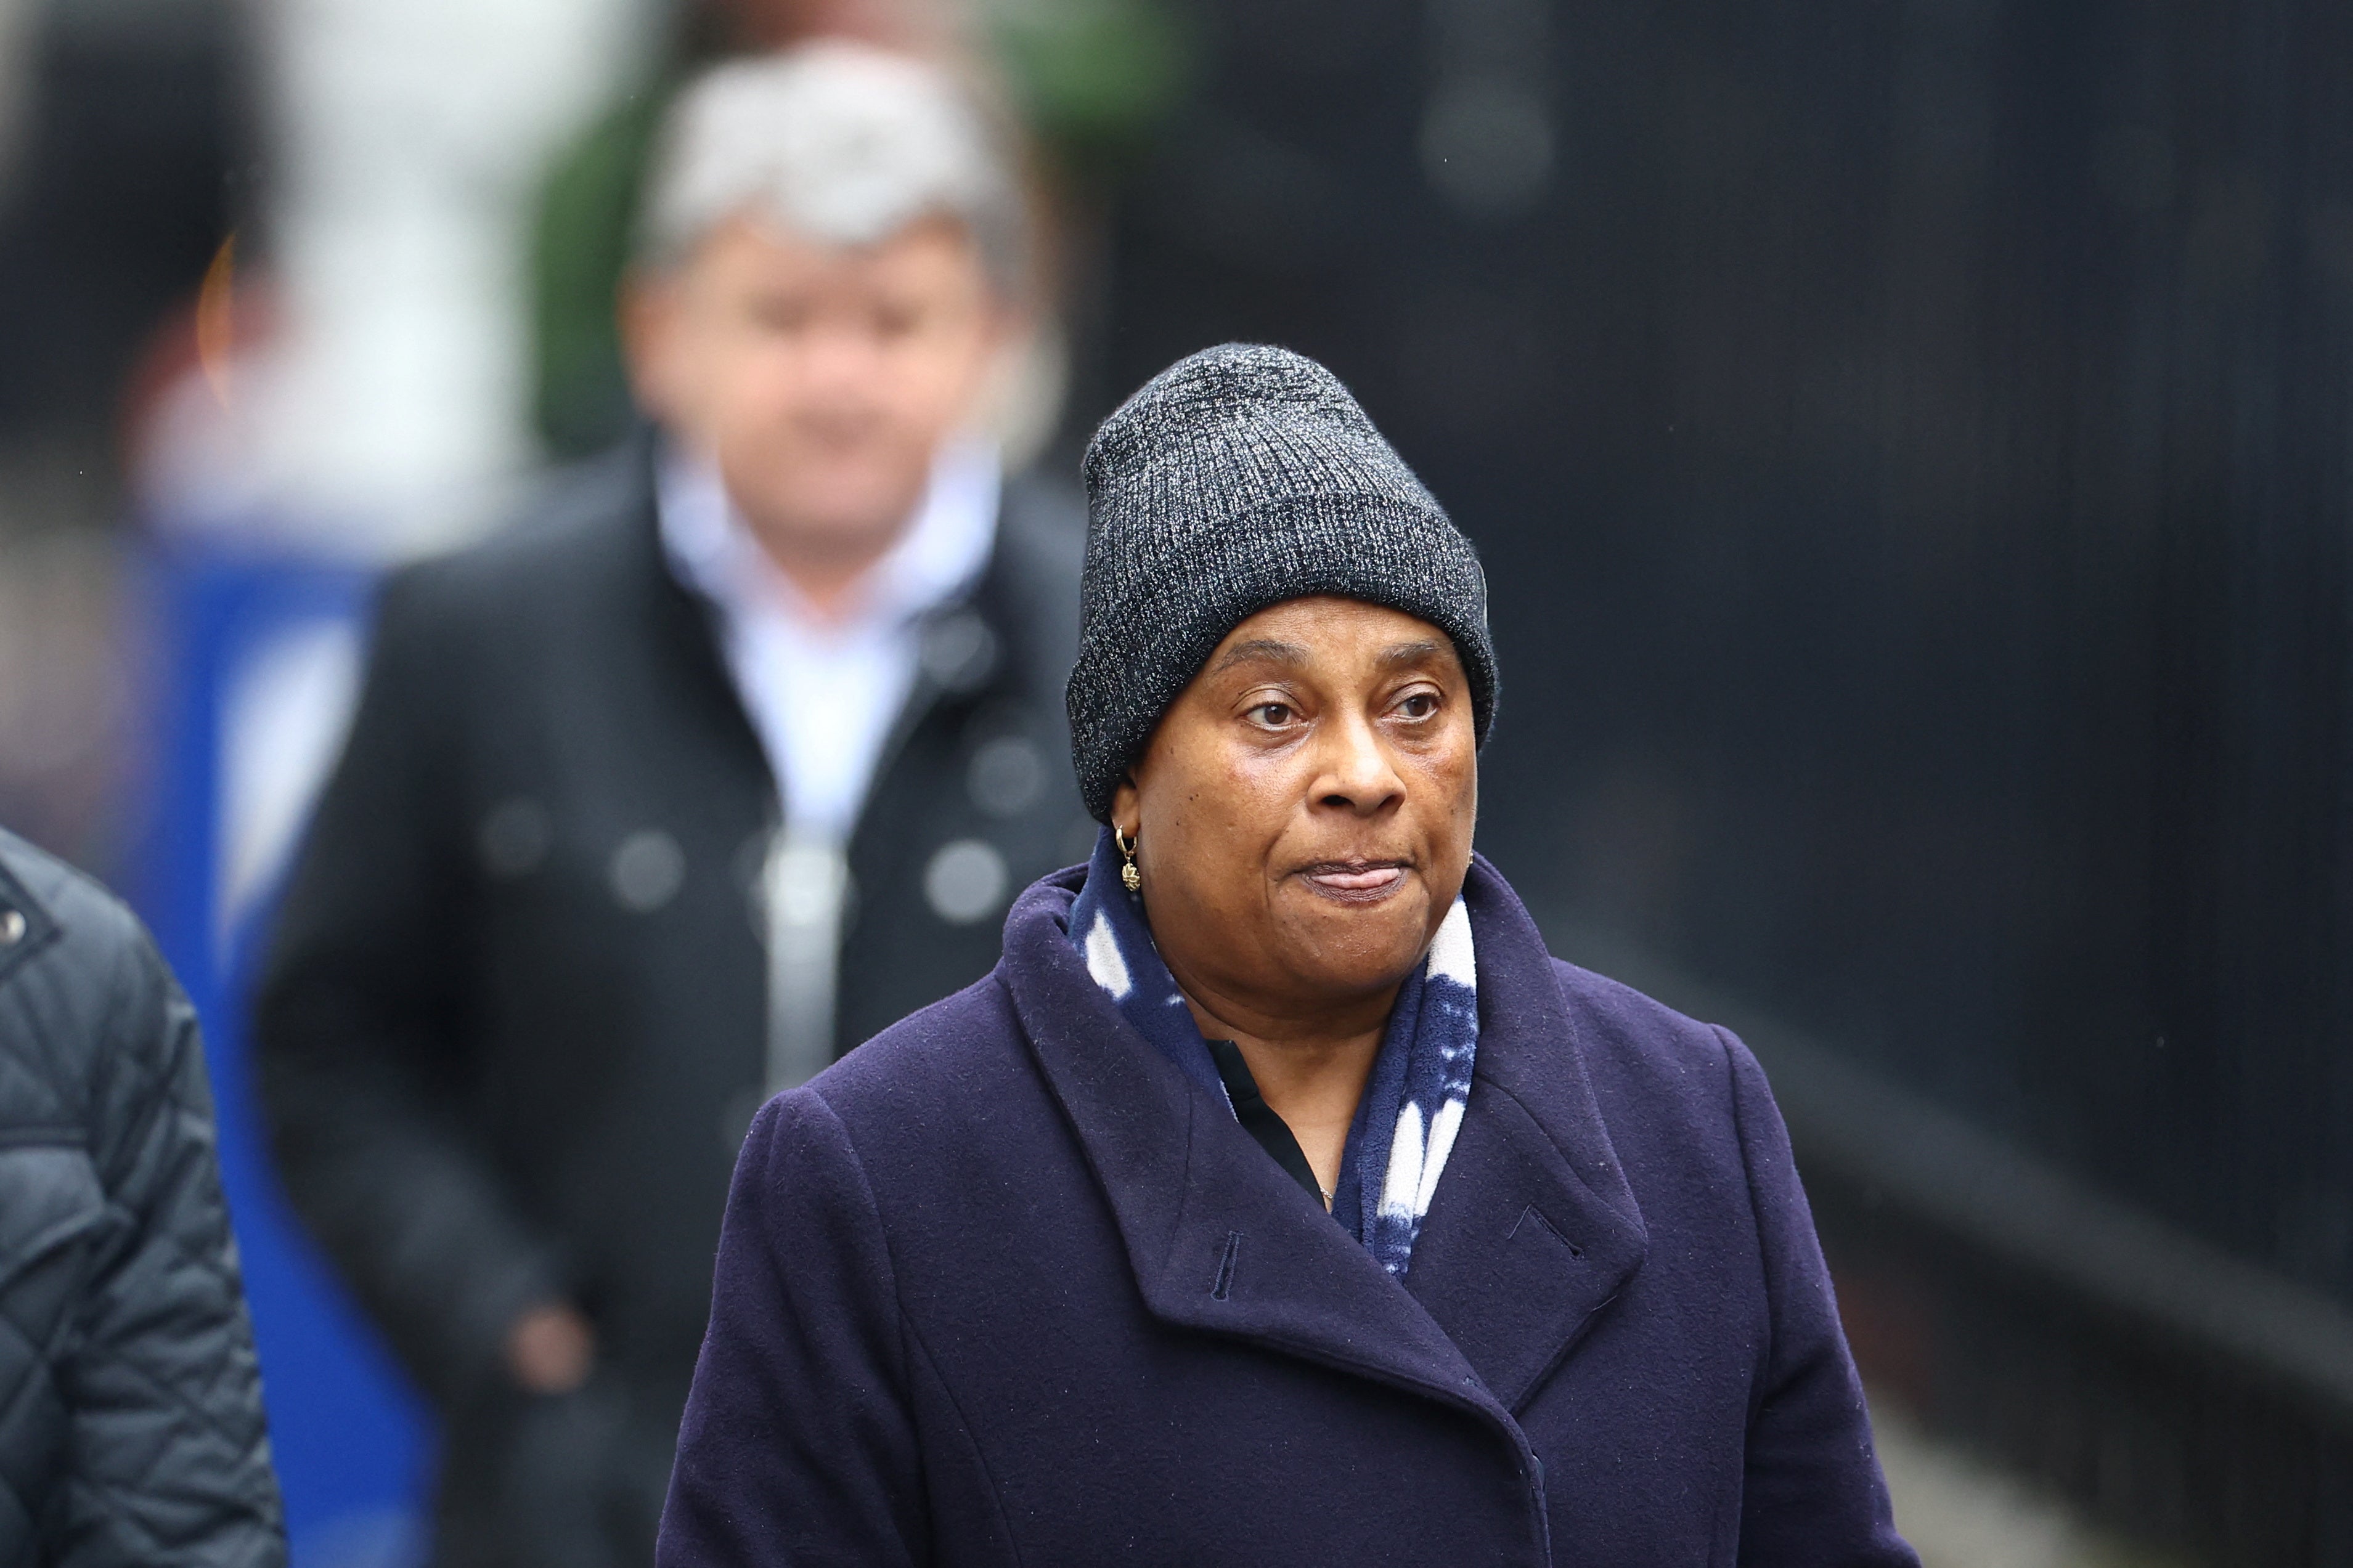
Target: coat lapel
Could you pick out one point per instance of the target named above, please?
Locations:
(1220, 1239)
(1533, 1231)
(682, 628)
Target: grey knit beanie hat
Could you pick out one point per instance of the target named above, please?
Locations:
(1236, 479)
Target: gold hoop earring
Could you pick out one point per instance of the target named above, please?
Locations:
(1129, 878)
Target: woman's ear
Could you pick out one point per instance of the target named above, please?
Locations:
(1127, 807)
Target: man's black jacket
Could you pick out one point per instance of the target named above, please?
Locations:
(131, 1425)
(513, 1023)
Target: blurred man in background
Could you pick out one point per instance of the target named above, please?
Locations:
(729, 755)
(131, 1424)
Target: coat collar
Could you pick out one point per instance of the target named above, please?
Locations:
(1531, 1232)
(1534, 1229)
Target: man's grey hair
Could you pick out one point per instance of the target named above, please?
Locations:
(837, 143)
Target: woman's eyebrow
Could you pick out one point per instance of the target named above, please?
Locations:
(1406, 652)
(1263, 648)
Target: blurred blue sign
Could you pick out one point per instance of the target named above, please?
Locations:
(255, 667)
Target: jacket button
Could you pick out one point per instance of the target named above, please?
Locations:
(12, 927)
(515, 837)
(965, 881)
(958, 651)
(646, 871)
(1007, 775)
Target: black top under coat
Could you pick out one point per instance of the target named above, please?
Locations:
(1260, 1119)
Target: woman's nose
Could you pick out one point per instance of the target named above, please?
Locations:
(1356, 773)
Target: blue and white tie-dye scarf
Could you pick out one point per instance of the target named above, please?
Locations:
(1413, 1103)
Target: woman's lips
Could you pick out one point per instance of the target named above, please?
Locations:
(1355, 881)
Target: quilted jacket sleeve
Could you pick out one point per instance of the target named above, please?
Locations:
(167, 1456)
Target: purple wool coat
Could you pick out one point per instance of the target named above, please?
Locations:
(1003, 1287)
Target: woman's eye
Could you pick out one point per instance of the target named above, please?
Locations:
(1420, 705)
(1274, 715)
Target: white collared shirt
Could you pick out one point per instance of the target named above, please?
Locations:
(823, 693)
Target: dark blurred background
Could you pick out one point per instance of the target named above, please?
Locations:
(1911, 447)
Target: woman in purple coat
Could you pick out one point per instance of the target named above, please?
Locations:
(1278, 1199)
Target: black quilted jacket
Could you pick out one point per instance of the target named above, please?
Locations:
(131, 1426)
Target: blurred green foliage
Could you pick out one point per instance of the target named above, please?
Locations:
(581, 237)
(1092, 78)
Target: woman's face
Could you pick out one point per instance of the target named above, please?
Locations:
(1304, 812)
